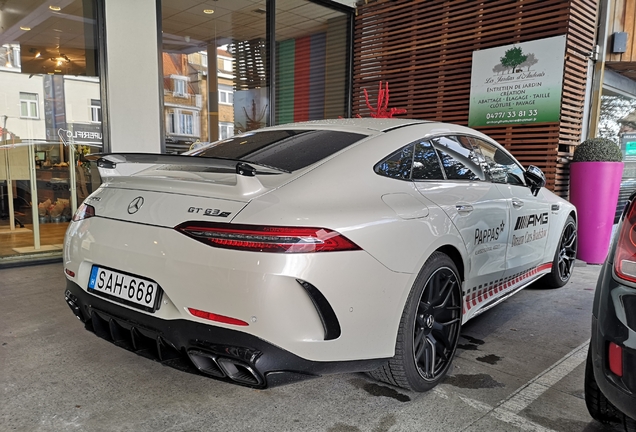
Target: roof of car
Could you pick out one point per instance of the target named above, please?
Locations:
(374, 124)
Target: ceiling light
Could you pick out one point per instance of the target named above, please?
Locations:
(208, 11)
(55, 8)
(8, 64)
(38, 54)
(25, 28)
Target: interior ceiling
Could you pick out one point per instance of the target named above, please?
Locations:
(57, 35)
(186, 28)
(56, 42)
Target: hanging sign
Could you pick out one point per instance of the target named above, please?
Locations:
(517, 84)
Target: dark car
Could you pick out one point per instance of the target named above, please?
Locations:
(610, 375)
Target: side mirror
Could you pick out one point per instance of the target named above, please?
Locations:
(534, 178)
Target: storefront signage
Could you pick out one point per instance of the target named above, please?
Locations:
(84, 133)
(517, 84)
(628, 144)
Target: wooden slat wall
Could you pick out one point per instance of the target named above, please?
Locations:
(423, 48)
(624, 20)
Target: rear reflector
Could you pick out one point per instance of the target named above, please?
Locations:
(69, 272)
(625, 255)
(214, 317)
(615, 356)
(267, 238)
(84, 211)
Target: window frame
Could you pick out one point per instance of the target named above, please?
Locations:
(96, 111)
(30, 103)
(229, 95)
(177, 82)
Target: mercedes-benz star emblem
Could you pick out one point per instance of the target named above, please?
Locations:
(135, 205)
(430, 320)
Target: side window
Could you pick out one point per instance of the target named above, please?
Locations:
(501, 167)
(459, 160)
(397, 165)
(426, 165)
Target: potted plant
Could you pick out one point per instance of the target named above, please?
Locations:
(595, 179)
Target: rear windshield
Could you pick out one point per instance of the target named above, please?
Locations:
(288, 150)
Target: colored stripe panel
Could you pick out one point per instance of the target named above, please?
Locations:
(285, 85)
(301, 79)
(317, 76)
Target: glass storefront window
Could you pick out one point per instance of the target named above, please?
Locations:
(215, 67)
(311, 62)
(617, 116)
(214, 72)
(617, 121)
(50, 115)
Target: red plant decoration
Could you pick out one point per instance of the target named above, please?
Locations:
(382, 110)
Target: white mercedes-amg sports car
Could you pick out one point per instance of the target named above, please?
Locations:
(304, 249)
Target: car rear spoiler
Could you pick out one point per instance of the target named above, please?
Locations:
(246, 179)
(110, 161)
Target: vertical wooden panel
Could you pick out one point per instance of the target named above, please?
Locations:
(423, 48)
(630, 28)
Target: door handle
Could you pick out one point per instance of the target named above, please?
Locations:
(517, 203)
(464, 209)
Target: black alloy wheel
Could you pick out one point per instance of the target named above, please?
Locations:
(429, 328)
(437, 323)
(565, 256)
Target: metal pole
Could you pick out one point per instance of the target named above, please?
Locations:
(605, 12)
(9, 182)
(34, 199)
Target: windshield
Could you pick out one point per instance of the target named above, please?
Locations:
(289, 150)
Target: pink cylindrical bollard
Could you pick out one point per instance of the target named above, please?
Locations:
(594, 188)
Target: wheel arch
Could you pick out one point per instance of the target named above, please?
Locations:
(454, 255)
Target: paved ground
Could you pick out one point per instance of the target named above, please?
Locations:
(519, 367)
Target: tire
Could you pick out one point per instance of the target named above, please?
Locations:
(598, 406)
(629, 424)
(429, 328)
(564, 257)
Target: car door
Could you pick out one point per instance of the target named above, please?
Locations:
(529, 215)
(446, 171)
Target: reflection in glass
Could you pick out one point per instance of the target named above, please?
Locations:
(48, 99)
(398, 165)
(214, 71)
(458, 158)
(426, 165)
(500, 166)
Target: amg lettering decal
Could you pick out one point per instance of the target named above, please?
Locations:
(524, 222)
(489, 234)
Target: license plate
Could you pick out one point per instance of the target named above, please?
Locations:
(125, 288)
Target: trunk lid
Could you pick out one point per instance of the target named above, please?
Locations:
(168, 196)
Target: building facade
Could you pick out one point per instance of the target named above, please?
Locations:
(80, 76)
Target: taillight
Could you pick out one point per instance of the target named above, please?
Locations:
(84, 211)
(267, 238)
(625, 256)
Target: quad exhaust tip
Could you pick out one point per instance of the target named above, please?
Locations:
(223, 367)
(71, 301)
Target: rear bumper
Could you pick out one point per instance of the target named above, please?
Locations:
(190, 346)
(614, 321)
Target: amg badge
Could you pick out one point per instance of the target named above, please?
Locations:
(532, 220)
